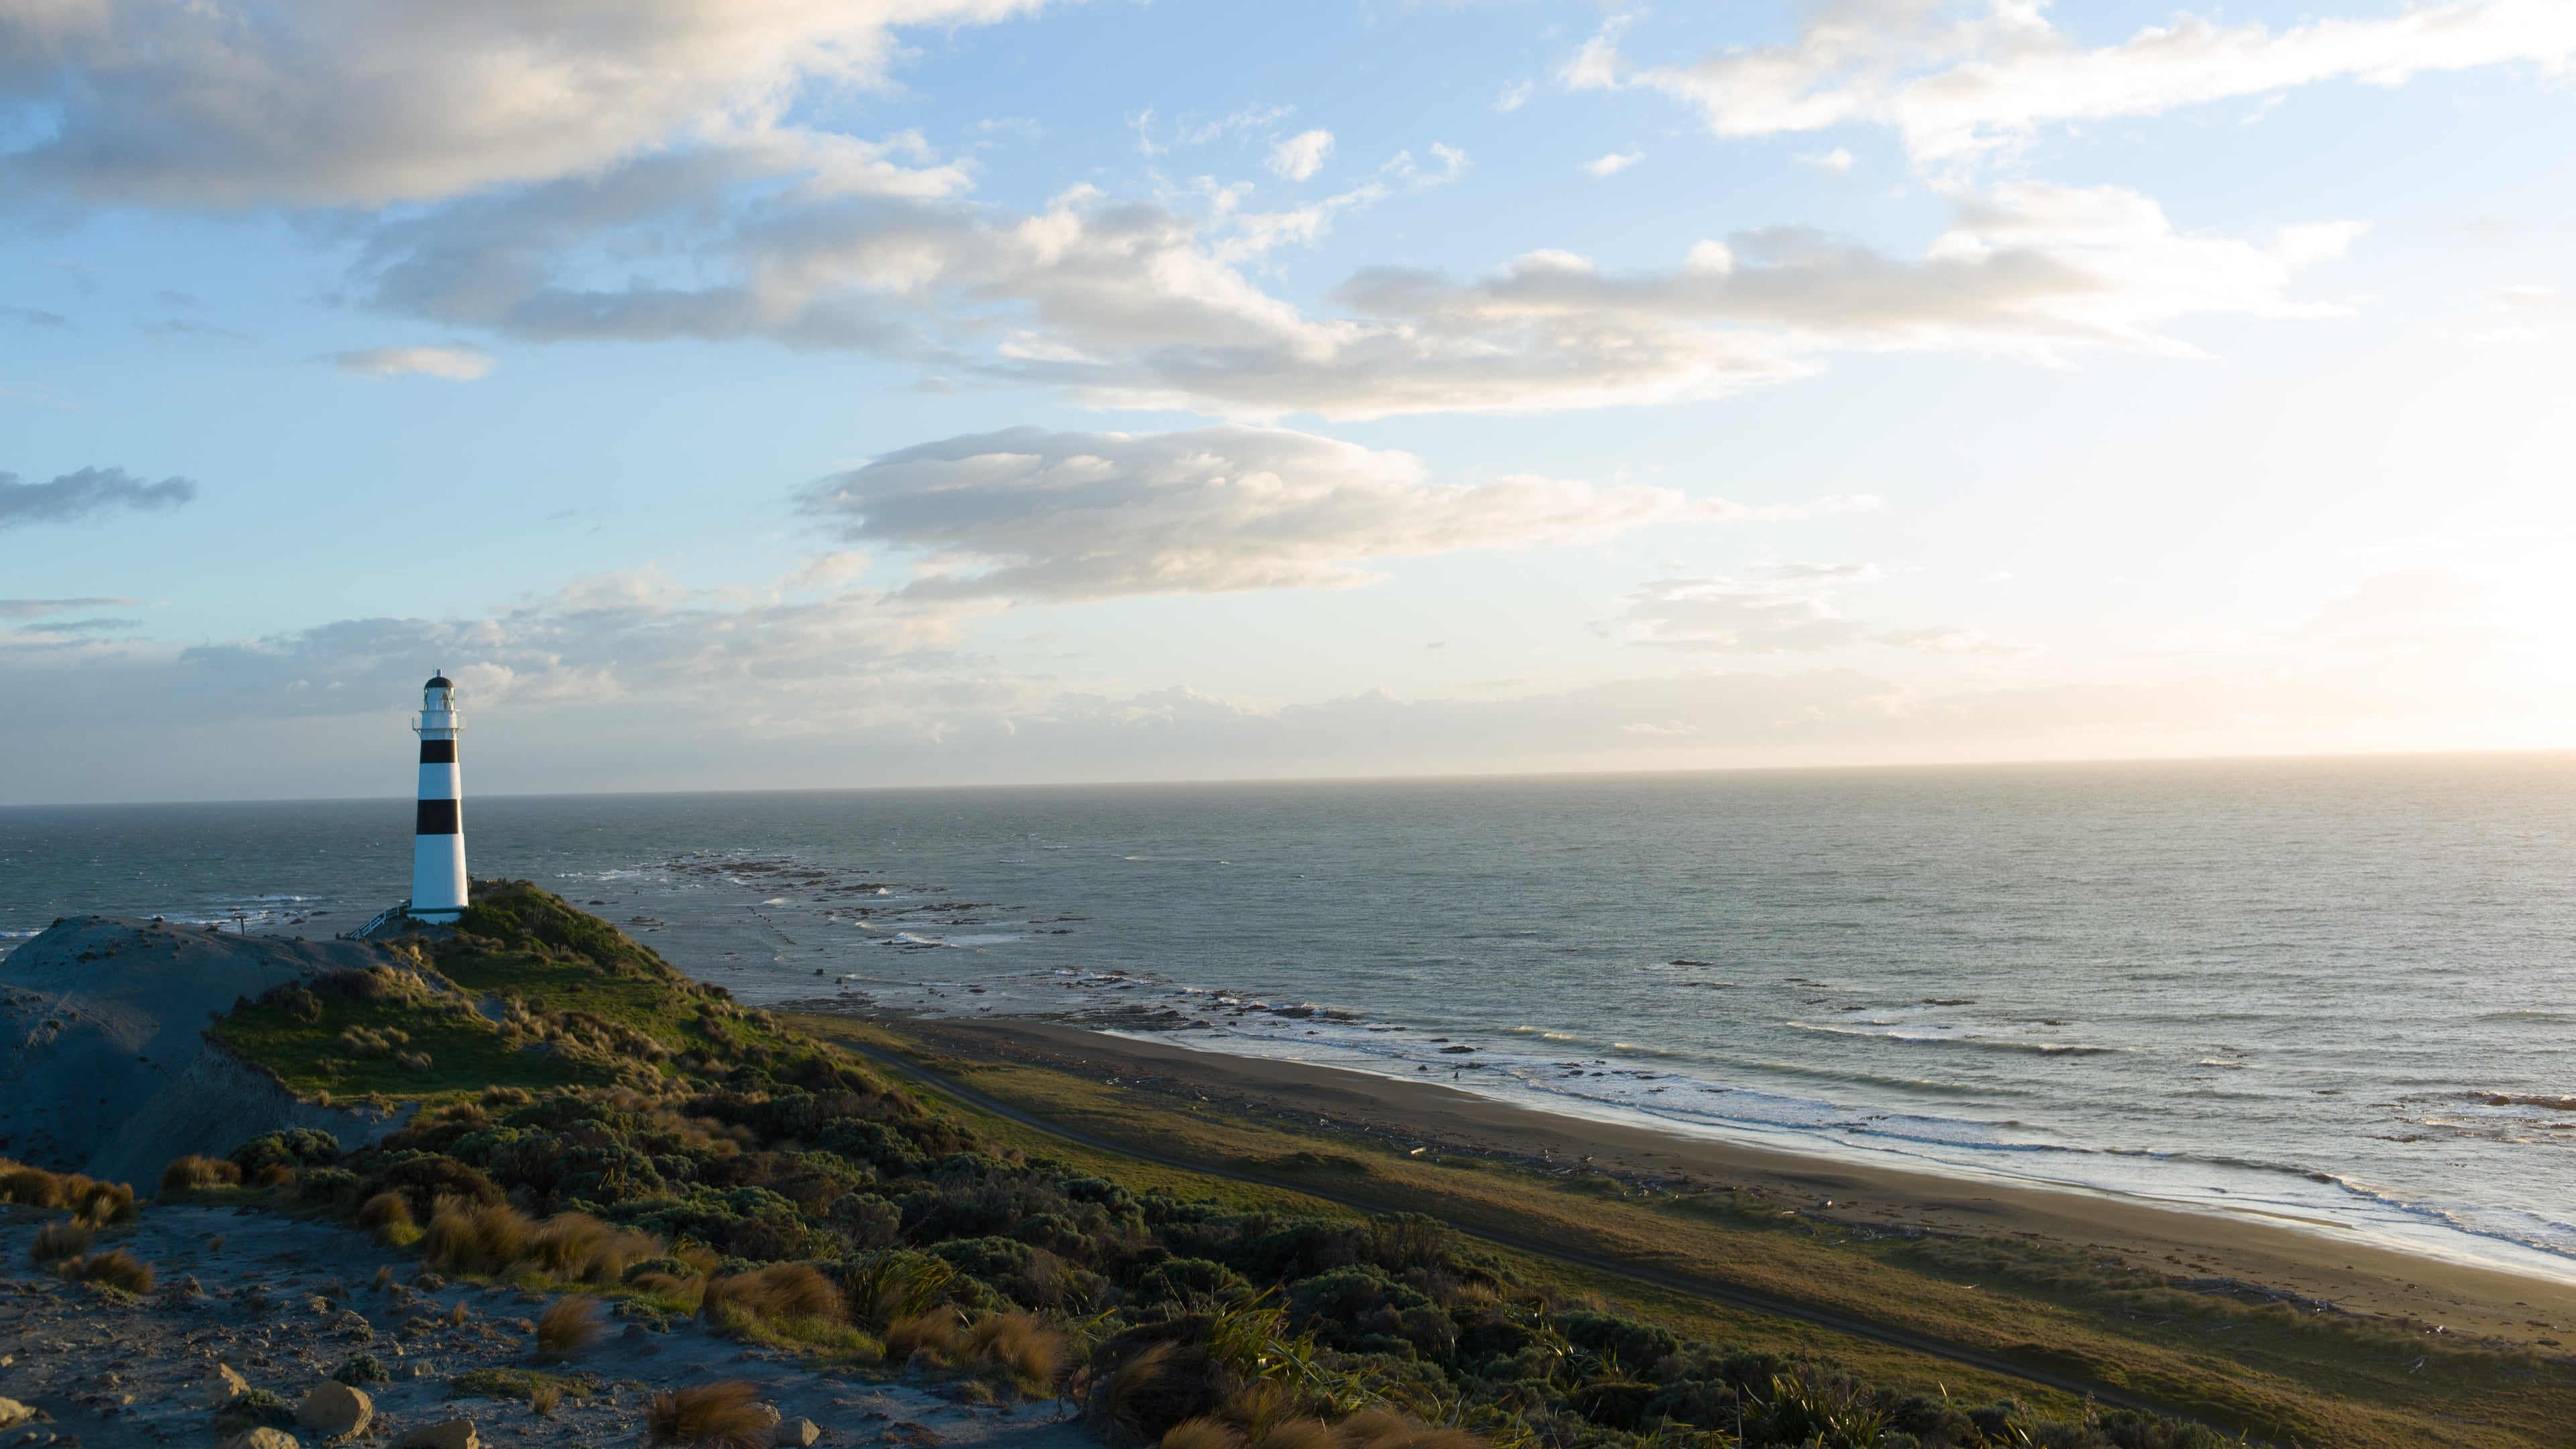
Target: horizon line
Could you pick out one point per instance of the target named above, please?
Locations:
(1461, 777)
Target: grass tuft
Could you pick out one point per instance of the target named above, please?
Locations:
(116, 1269)
(189, 1173)
(570, 1325)
(720, 1415)
(57, 1241)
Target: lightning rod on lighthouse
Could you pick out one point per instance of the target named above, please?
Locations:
(438, 846)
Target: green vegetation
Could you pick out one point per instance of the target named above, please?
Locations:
(525, 991)
(595, 1123)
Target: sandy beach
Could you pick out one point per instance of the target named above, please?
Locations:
(2316, 1259)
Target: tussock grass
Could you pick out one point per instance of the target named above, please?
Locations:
(115, 1268)
(570, 1325)
(929, 1337)
(781, 1291)
(388, 1216)
(57, 1241)
(1032, 1353)
(192, 1172)
(720, 1415)
(496, 1239)
(87, 1198)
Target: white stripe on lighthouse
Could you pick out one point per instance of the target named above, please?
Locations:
(438, 837)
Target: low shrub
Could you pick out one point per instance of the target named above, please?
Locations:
(721, 1415)
(362, 1369)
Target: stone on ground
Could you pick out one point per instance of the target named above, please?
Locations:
(11, 1411)
(334, 1409)
(262, 1438)
(220, 1390)
(453, 1434)
(797, 1434)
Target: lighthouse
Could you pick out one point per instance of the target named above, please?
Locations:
(438, 848)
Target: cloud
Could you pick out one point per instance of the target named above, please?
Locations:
(1135, 304)
(1942, 640)
(36, 317)
(1401, 166)
(1789, 612)
(1513, 97)
(456, 364)
(1736, 616)
(1961, 80)
(80, 626)
(30, 608)
(2528, 298)
(1035, 514)
(90, 491)
(1613, 163)
(1836, 162)
(364, 102)
(1302, 155)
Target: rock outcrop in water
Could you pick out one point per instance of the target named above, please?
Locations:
(104, 1063)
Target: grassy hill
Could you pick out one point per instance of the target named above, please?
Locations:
(593, 1121)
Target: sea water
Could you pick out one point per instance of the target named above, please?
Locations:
(2333, 993)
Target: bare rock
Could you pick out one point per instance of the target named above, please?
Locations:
(11, 1411)
(262, 1438)
(224, 1387)
(796, 1434)
(334, 1409)
(453, 1434)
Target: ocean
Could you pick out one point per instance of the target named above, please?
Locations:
(2332, 992)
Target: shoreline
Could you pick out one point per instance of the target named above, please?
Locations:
(2337, 1266)
(2396, 1227)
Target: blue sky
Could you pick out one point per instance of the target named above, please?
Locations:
(962, 390)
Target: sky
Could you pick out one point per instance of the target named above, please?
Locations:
(804, 393)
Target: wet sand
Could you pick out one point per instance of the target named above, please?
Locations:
(2313, 1259)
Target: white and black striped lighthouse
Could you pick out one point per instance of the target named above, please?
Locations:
(438, 848)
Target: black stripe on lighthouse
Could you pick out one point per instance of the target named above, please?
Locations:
(438, 752)
(438, 817)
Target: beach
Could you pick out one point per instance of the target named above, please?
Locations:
(2314, 1260)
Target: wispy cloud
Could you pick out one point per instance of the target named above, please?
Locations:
(1962, 78)
(30, 608)
(1300, 156)
(1613, 163)
(91, 491)
(456, 364)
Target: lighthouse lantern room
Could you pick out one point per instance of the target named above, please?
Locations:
(438, 847)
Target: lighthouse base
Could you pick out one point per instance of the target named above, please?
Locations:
(435, 918)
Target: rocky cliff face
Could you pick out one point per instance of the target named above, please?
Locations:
(104, 1065)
